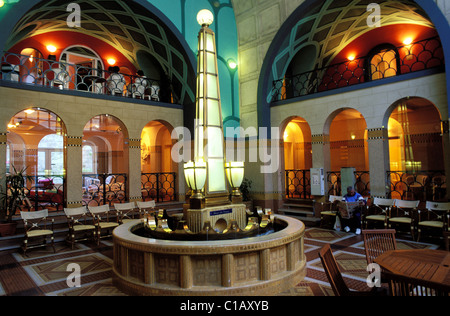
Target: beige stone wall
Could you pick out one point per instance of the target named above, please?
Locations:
(258, 21)
(75, 112)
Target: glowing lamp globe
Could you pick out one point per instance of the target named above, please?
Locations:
(205, 17)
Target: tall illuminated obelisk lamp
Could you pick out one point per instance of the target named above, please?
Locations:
(206, 175)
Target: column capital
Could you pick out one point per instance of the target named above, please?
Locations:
(445, 127)
(74, 141)
(377, 133)
(3, 138)
(134, 143)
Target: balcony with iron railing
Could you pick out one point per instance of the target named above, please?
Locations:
(419, 56)
(62, 76)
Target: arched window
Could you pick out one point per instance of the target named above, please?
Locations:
(383, 62)
(88, 158)
(51, 155)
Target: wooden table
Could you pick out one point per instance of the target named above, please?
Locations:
(426, 264)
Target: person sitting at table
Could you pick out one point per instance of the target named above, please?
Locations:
(140, 84)
(116, 81)
(354, 223)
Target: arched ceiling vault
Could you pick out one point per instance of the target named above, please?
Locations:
(331, 25)
(125, 25)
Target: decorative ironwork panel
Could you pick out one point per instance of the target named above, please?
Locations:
(298, 184)
(101, 189)
(45, 192)
(420, 185)
(65, 76)
(426, 54)
(159, 186)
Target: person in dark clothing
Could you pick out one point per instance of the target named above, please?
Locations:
(354, 223)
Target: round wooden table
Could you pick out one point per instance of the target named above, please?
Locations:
(426, 264)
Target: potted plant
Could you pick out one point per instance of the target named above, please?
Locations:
(245, 192)
(12, 199)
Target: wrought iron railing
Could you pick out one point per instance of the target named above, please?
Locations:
(419, 185)
(298, 184)
(159, 186)
(426, 54)
(101, 189)
(66, 76)
(361, 185)
(45, 192)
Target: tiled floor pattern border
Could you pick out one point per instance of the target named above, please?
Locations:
(42, 272)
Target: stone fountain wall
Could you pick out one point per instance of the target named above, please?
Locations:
(264, 265)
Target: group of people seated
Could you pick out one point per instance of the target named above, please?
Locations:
(116, 83)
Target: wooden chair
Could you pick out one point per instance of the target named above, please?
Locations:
(377, 241)
(77, 219)
(435, 216)
(335, 278)
(378, 211)
(331, 210)
(447, 240)
(146, 207)
(403, 213)
(101, 215)
(35, 224)
(400, 285)
(126, 212)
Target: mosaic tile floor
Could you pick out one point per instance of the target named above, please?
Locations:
(44, 273)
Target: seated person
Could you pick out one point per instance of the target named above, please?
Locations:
(353, 223)
(116, 81)
(140, 84)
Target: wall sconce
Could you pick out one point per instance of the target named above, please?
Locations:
(235, 175)
(51, 49)
(408, 41)
(232, 64)
(351, 57)
(111, 61)
(195, 175)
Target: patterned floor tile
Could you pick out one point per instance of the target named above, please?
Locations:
(103, 288)
(324, 235)
(46, 252)
(42, 272)
(48, 272)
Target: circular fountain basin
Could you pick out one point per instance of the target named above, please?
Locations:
(263, 265)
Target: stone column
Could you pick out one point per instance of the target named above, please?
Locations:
(378, 143)
(446, 149)
(74, 171)
(134, 170)
(3, 141)
(321, 159)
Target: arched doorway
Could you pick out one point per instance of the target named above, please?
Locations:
(297, 158)
(348, 149)
(105, 161)
(158, 177)
(416, 154)
(36, 146)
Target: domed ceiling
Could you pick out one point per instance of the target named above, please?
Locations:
(331, 25)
